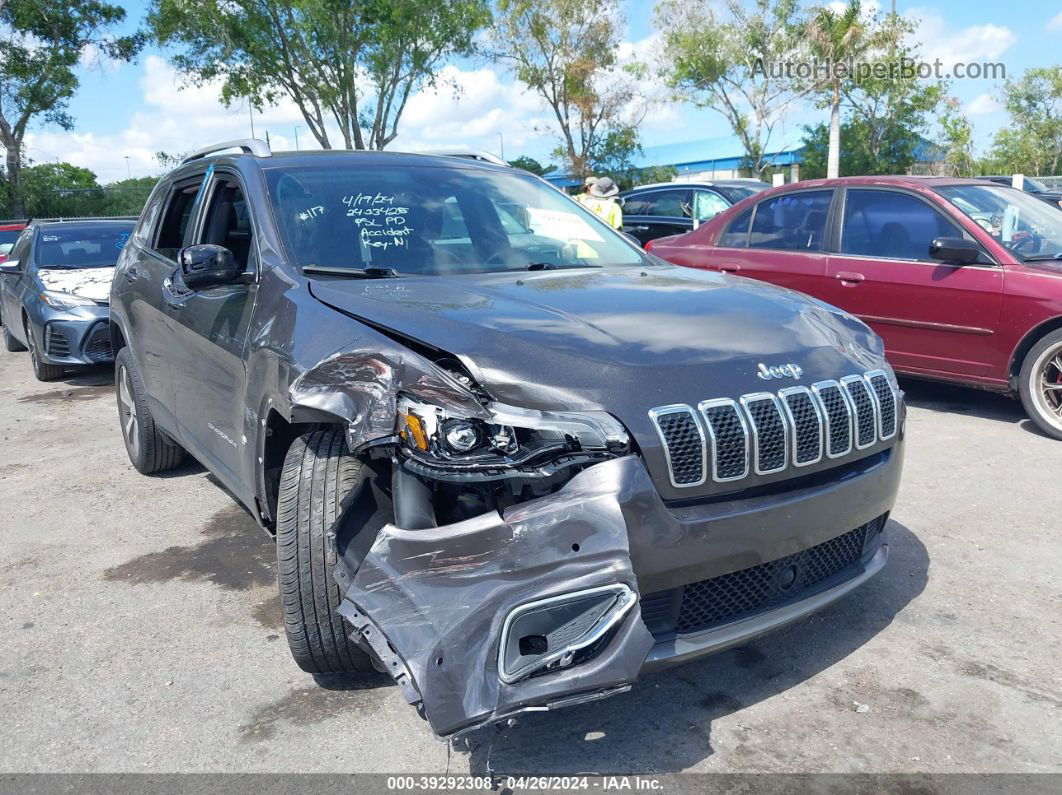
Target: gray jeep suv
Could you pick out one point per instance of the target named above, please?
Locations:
(509, 458)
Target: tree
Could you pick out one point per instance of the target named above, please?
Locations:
(60, 190)
(530, 164)
(41, 42)
(351, 63)
(957, 139)
(835, 38)
(1032, 143)
(728, 61)
(565, 51)
(127, 196)
(894, 151)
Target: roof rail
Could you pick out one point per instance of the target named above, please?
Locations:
(471, 154)
(251, 146)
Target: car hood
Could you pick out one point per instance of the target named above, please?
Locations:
(619, 339)
(91, 283)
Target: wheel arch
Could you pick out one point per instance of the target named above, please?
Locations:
(1027, 343)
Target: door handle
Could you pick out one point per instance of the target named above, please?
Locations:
(640, 228)
(729, 268)
(850, 276)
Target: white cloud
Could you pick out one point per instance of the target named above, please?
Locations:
(982, 105)
(1056, 22)
(966, 45)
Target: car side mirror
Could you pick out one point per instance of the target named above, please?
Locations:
(954, 250)
(207, 265)
(10, 266)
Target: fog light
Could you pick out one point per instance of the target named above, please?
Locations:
(548, 632)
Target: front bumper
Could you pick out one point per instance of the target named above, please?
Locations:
(432, 603)
(78, 336)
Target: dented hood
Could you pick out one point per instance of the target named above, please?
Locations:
(91, 283)
(602, 338)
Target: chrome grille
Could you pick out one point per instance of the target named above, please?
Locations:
(765, 433)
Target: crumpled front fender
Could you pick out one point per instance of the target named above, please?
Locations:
(441, 595)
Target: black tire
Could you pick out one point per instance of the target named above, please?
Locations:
(10, 343)
(1041, 369)
(41, 369)
(318, 476)
(150, 450)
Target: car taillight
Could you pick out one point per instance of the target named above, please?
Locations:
(648, 245)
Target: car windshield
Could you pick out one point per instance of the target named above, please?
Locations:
(1025, 225)
(81, 246)
(427, 220)
(1034, 185)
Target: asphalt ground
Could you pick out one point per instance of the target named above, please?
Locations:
(140, 628)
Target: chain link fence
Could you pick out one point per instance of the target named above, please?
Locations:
(108, 202)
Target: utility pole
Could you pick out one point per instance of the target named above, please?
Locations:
(501, 143)
(250, 112)
(128, 171)
(296, 138)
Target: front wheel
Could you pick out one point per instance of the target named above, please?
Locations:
(1040, 384)
(41, 369)
(320, 486)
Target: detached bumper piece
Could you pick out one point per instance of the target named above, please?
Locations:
(487, 618)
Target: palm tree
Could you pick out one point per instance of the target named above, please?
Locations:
(833, 38)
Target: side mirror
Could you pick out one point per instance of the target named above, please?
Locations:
(955, 250)
(207, 265)
(10, 266)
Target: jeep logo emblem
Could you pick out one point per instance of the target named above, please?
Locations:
(779, 371)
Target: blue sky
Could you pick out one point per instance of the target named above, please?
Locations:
(136, 109)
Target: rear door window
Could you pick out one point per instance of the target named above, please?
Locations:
(891, 225)
(792, 221)
(228, 222)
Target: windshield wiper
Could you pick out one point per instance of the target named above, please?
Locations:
(353, 273)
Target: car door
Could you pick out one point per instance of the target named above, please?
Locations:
(152, 262)
(210, 330)
(12, 285)
(934, 317)
(781, 240)
(657, 212)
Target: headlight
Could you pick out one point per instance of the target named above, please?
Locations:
(510, 437)
(57, 300)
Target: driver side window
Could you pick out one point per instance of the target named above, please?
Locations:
(228, 222)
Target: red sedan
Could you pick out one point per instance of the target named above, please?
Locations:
(961, 278)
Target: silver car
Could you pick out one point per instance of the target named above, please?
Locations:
(54, 293)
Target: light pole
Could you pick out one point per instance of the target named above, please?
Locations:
(250, 113)
(296, 137)
(501, 143)
(128, 171)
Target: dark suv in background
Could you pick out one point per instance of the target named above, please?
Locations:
(509, 458)
(670, 208)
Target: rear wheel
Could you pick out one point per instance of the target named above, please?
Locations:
(149, 449)
(320, 485)
(10, 343)
(41, 369)
(1040, 384)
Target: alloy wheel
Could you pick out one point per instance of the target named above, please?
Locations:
(1050, 384)
(127, 412)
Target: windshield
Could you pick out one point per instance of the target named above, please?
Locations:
(436, 221)
(1022, 223)
(81, 247)
(738, 192)
(1034, 185)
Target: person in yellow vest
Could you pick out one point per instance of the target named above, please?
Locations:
(602, 201)
(583, 197)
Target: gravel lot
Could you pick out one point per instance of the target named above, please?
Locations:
(141, 628)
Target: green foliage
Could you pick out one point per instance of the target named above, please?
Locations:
(41, 43)
(565, 51)
(957, 139)
(895, 153)
(351, 63)
(1032, 142)
(644, 176)
(721, 59)
(530, 164)
(62, 190)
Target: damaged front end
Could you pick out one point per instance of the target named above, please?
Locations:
(504, 583)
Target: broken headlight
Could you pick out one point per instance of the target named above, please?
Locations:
(509, 437)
